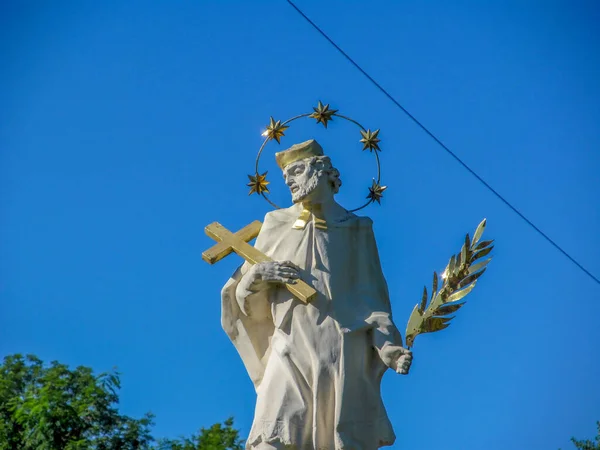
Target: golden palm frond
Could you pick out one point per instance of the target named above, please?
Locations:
(458, 279)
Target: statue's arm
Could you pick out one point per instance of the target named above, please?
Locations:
(388, 344)
(250, 291)
(259, 278)
(387, 339)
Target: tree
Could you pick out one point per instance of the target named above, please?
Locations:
(217, 437)
(51, 407)
(587, 444)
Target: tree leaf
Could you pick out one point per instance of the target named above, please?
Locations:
(435, 284)
(435, 302)
(446, 309)
(414, 325)
(482, 244)
(446, 273)
(471, 278)
(435, 324)
(460, 294)
(451, 267)
(478, 232)
(423, 300)
(482, 253)
(480, 265)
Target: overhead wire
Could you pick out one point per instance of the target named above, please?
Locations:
(441, 144)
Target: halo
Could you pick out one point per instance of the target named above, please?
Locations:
(323, 114)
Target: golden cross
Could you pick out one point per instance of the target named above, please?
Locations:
(228, 242)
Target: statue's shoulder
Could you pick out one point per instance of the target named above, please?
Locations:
(283, 214)
(352, 220)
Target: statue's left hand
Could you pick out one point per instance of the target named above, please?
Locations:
(397, 358)
(404, 362)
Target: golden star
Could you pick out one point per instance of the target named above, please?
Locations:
(275, 130)
(376, 192)
(370, 140)
(323, 114)
(258, 183)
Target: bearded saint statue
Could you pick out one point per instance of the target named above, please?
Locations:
(317, 366)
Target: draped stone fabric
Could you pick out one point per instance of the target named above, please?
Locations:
(315, 367)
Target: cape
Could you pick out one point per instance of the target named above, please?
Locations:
(342, 264)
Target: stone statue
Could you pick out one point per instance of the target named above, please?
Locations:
(309, 310)
(317, 366)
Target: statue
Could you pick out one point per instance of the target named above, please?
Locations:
(316, 366)
(309, 311)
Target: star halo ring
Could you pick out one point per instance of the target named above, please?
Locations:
(323, 114)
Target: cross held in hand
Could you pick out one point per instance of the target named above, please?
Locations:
(228, 242)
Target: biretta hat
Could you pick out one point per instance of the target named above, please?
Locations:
(297, 152)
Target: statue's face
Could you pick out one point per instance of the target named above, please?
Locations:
(304, 181)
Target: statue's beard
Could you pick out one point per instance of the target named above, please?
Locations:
(306, 189)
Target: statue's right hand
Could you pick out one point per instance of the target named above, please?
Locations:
(275, 272)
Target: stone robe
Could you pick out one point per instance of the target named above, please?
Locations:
(316, 367)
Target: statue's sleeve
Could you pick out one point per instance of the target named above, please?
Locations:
(252, 298)
(385, 331)
(246, 319)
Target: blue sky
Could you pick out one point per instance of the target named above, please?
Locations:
(126, 127)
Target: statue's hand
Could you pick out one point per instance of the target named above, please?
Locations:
(276, 272)
(397, 358)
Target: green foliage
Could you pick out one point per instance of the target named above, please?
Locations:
(217, 437)
(51, 407)
(55, 408)
(587, 444)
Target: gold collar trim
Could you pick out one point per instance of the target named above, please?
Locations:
(310, 212)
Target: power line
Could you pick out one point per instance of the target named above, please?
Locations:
(450, 152)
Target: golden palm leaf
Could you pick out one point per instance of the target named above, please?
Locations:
(458, 279)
